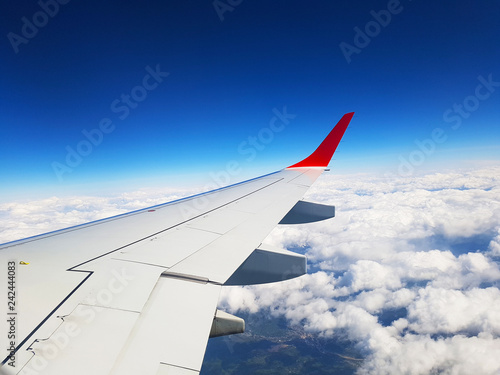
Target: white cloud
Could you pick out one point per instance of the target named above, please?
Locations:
(420, 354)
(367, 274)
(494, 246)
(445, 311)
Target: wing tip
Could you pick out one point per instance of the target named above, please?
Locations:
(323, 154)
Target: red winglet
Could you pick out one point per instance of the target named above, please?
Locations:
(323, 154)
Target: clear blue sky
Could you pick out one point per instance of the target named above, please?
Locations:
(228, 69)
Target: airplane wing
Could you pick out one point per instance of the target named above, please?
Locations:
(137, 293)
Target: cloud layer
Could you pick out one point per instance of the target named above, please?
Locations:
(408, 269)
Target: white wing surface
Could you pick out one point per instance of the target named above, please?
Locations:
(137, 293)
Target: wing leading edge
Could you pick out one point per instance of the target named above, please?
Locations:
(137, 293)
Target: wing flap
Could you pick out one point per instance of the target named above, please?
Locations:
(173, 329)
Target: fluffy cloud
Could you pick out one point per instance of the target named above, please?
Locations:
(426, 247)
(445, 311)
(495, 245)
(421, 354)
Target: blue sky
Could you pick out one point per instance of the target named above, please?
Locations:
(231, 71)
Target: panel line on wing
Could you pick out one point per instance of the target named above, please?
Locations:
(139, 262)
(105, 307)
(171, 227)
